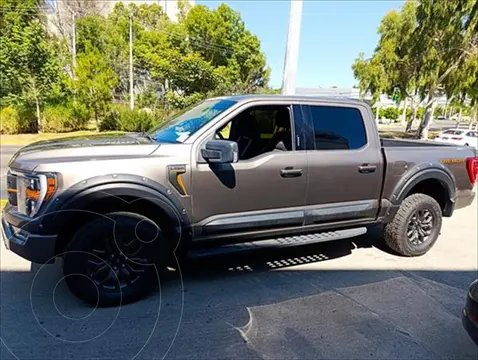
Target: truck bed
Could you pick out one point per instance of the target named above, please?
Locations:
(411, 143)
(404, 157)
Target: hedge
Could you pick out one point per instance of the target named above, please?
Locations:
(12, 123)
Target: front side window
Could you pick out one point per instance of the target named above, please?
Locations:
(181, 127)
(259, 130)
(337, 128)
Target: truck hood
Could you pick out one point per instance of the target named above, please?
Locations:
(82, 148)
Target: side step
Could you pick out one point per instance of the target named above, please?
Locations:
(278, 242)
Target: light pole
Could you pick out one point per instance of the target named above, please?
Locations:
(292, 48)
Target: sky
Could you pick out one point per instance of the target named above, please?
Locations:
(333, 33)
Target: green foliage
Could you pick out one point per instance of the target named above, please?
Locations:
(110, 121)
(29, 62)
(94, 83)
(80, 115)
(11, 122)
(427, 48)
(391, 67)
(390, 113)
(61, 118)
(56, 119)
(123, 118)
(175, 101)
(207, 52)
(420, 112)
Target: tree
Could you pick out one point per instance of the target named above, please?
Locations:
(221, 37)
(29, 63)
(423, 51)
(68, 11)
(391, 69)
(445, 40)
(209, 52)
(94, 83)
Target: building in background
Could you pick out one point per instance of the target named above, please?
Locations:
(354, 93)
(350, 93)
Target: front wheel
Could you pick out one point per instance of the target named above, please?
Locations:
(114, 260)
(415, 227)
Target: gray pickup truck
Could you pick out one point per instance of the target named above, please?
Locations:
(237, 172)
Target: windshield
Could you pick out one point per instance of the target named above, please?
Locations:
(181, 127)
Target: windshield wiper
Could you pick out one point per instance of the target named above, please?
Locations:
(147, 136)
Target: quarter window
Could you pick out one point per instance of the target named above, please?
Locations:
(337, 128)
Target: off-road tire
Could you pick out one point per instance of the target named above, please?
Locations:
(119, 225)
(395, 232)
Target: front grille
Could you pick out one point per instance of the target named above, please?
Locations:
(12, 189)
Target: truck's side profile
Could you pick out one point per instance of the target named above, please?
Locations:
(258, 171)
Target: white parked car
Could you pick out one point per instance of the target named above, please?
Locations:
(461, 137)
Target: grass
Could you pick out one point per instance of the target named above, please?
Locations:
(24, 139)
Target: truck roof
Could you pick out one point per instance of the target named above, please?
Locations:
(305, 98)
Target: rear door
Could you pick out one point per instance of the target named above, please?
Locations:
(345, 164)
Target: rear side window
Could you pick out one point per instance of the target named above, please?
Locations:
(337, 128)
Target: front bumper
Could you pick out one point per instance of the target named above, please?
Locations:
(36, 248)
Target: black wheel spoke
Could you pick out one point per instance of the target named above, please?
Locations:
(113, 269)
(96, 275)
(133, 270)
(419, 227)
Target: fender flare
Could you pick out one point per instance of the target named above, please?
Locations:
(62, 207)
(425, 172)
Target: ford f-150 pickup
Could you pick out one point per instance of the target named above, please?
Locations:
(240, 172)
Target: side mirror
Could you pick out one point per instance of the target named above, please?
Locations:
(220, 152)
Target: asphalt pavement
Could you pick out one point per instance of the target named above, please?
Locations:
(350, 299)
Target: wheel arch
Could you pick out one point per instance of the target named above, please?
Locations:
(437, 182)
(100, 195)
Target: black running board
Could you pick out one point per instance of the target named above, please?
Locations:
(280, 242)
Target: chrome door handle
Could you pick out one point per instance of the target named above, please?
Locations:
(290, 172)
(367, 168)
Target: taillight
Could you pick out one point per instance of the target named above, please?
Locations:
(457, 138)
(472, 168)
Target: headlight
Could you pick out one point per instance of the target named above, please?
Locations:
(33, 191)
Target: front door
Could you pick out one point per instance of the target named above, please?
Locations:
(345, 164)
(266, 188)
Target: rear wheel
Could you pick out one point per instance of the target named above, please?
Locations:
(116, 259)
(415, 227)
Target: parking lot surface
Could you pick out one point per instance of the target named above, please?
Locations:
(347, 299)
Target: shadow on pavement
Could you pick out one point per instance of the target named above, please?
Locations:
(252, 305)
